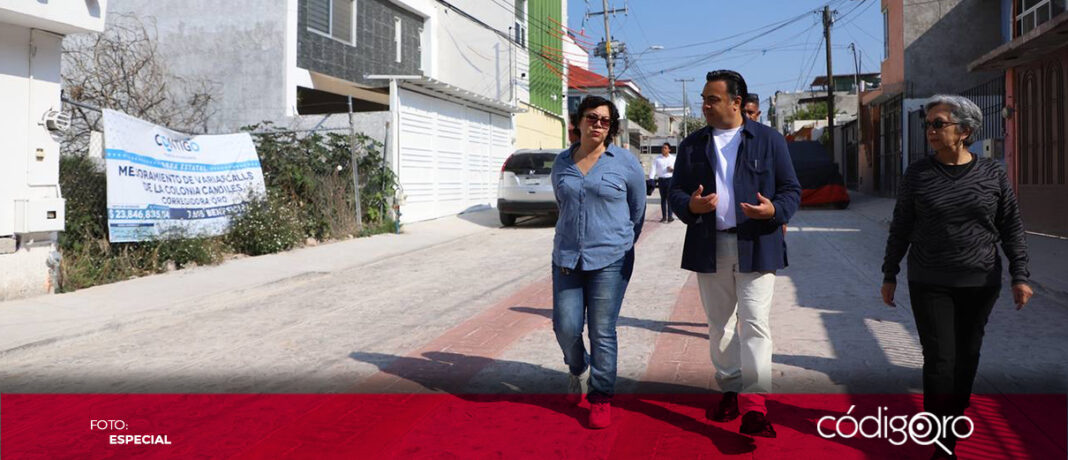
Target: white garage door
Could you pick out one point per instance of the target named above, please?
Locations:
(450, 156)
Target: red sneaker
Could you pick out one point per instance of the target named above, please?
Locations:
(600, 415)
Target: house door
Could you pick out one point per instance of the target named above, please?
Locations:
(1041, 166)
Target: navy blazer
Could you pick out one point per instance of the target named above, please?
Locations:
(764, 166)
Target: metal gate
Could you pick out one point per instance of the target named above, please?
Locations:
(888, 161)
(1041, 127)
(851, 146)
(918, 146)
(989, 96)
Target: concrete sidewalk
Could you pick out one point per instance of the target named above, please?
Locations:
(46, 319)
(1049, 255)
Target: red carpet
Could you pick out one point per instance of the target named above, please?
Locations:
(494, 426)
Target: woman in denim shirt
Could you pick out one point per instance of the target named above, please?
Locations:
(600, 192)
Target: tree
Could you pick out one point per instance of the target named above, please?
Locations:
(641, 111)
(812, 111)
(121, 69)
(693, 124)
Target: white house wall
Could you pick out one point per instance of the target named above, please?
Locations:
(472, 57)
(61, 17)
(239, 45)
(31, 208)
(14, 91)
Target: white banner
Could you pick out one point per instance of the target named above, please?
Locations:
(161, 181)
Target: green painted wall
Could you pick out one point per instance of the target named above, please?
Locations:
(546, 55)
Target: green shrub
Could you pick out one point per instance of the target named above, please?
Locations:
(267, 225)
(180, 249)
(313, 173)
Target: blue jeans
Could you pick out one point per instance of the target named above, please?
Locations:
(595, 295)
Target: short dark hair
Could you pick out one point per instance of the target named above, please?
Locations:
(592, 102)
(667, 144)
(736, 86)
(751, 98)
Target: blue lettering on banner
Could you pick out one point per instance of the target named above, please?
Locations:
(116, 154)
(150, 213)
(207, 213)
(165, 213)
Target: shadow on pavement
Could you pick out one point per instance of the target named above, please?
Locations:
(663, 408)
(626, 321)
(487, 216)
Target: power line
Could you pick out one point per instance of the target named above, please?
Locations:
(758, 31)
(812, 66)
(732, 47)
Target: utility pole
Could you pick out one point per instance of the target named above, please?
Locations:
(827, 21)
(355, 169)
(856, 88)
(685, 107)
(856, 69)
(609, 53)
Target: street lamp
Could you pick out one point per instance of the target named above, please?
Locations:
(627, 59)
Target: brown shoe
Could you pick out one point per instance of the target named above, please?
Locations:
(756, 424)
(726, 410)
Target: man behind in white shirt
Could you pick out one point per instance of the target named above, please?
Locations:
(663, 166)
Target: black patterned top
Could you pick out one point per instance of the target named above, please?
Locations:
(950, 221)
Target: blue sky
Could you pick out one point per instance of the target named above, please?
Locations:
(703, 35)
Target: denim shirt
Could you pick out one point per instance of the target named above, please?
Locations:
(601, 213)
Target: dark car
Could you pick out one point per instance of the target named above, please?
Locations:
(821, 182)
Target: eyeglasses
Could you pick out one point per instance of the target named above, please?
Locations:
(937, 124)
(594, 120)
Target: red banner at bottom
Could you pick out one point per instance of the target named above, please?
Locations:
(513, 426)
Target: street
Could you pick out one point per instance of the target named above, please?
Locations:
(469, 312)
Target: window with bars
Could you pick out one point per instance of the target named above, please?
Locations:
(334, 18)
(1033, 13)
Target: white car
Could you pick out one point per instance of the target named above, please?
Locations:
(524, 188)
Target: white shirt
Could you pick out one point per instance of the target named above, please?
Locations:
(661, 165)
(727, 142)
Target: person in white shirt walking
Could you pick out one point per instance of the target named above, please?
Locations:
(663, 167)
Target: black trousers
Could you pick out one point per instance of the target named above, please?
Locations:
(664, 185)
(951, 322)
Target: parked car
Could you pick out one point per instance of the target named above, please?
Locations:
(524, 188)
(821, 183)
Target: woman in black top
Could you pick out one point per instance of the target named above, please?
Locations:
(953, 208)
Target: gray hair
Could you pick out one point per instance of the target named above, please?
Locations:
(962, 110)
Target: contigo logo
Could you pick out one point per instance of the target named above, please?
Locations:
(184, 145)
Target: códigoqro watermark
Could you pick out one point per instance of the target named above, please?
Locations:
(923, 428)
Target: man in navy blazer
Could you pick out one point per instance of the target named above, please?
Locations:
(734, 187)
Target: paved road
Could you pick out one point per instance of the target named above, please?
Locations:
(469, 313)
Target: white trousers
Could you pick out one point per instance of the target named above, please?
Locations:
(738, 306)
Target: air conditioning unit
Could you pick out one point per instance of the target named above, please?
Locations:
(40, 215)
